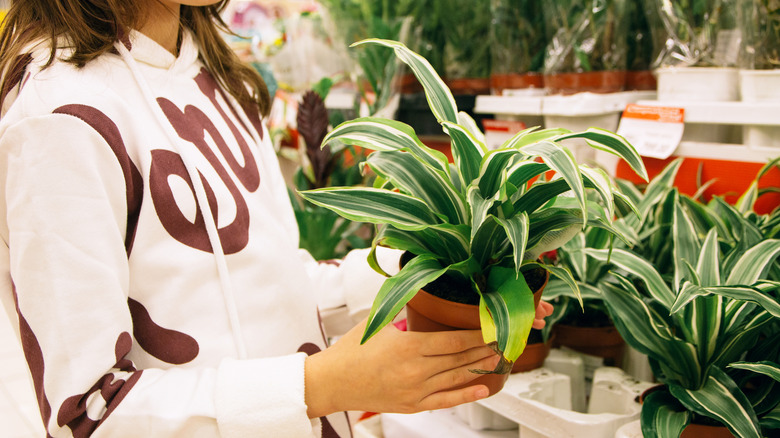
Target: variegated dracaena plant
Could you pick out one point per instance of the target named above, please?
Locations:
(644, 233)
(710, 325)
(484, 218)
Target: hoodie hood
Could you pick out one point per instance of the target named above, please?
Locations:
(146, 51)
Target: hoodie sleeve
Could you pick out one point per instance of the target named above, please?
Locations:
(350, 285)
(64, 216)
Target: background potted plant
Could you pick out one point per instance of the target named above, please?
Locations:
(325, 234)
(759, 76)
(640, 45)
(587, 329)
(698, 60)
(590, 329)
(701, 325)
(479, 223)
(378, 74)
(466, 26)
(587, 46)
(518, 38)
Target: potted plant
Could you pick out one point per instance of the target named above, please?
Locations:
(759, 75)
(640, 45)
(379, 74)
(325, 234)
(590, 329)
(586, 48)
(518, 40)
(466, 26)
(698, 61)
(701, 325)
(478, 224)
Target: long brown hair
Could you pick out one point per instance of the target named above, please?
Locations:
(93, 26)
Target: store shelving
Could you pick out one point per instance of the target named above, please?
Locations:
(585, 106)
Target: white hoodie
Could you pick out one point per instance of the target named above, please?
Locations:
(131, 323)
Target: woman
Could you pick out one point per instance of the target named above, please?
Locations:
(151, 251)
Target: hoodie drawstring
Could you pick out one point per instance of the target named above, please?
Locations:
(202, 201)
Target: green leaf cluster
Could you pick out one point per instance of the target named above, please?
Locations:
(641, 230)
(482, 219)
(760, 20)
(518, 36)
(692, 29)
(585, 35)
(702, 301)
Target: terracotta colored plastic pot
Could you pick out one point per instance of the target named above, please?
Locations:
(472, 86)
(533, 357)
(641, 80)
(702, 431)
(429, 313)
(513, 81)
(604, 342)
(594, 82)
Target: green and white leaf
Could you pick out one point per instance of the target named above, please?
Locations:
(466, 121)
(599, 179)
(754, 263)
(511, 305)
(397, 290)
(480, 208)
(447, 242)
(493, 171)
(439, 97)
(686, 243)
(539, 194)
(734, 292)
(721, 399)
(563, 274)
(531, 136)
(517, 230)
(644, 330)
(708, 266)
(379, 134)
(374, 206)
(663, 416)
(639, 267)
(523, 171)
(613, 143)
(561, 160)
(421, 181)
(467, 152)
(765, 367)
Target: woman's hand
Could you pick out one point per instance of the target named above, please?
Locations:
(397, 371)
(544, 310)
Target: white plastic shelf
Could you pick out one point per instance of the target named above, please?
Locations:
(700, 118)
(726, 151)
(725, 113)
(581, 104)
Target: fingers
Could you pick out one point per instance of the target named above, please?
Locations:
(469, 357)
(449, 342)
(455, 377)
(440, 386)
(448, 399)
(544, 309)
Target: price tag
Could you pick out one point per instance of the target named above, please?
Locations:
(655, 131)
